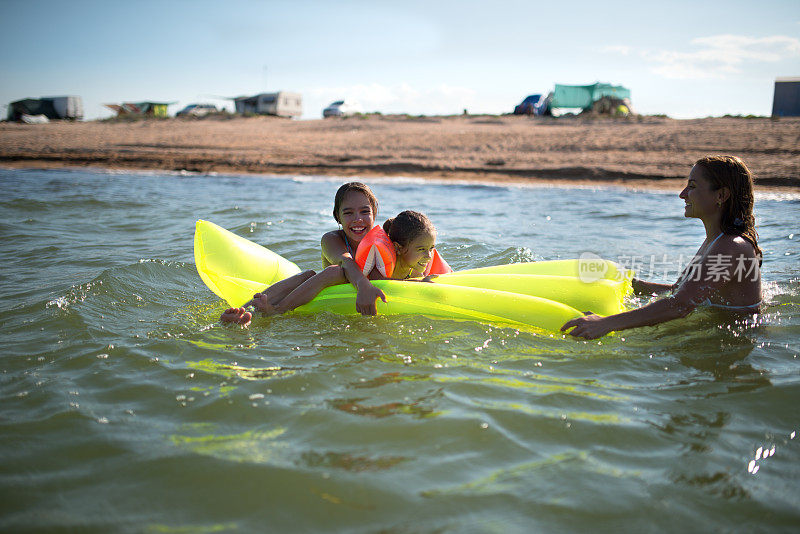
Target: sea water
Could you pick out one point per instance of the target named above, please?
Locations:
(128, 407)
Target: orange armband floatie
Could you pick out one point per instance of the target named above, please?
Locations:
(376, 250)
(437, 265)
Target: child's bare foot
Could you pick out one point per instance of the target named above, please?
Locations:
(262, 304)
(236, 315)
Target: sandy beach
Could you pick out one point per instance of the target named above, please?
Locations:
(636, 151)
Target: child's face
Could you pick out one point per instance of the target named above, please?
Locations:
(356, 216)
(418, 253)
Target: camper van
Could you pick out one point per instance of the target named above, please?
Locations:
(281, 103)
(52, 107)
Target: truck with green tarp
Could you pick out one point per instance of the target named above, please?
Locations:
(584, 96)
(598, 97)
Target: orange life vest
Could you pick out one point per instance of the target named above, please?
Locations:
(376, 250)
(437, 265)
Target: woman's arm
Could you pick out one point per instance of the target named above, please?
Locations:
(335, 251)
(710, 275)
(641, 287)
(661, 311)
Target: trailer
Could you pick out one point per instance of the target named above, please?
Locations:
(67, 107)
(282, 104)
(52, 107)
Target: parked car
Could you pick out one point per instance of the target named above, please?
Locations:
(532, 105)
(197, 110)
(342, 108)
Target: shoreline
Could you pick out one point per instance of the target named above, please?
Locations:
(567, 179)
(663, 185)
(641, 153)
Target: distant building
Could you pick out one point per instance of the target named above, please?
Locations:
(281, 103)
(52, 107)
(786, 100)
(152, 109)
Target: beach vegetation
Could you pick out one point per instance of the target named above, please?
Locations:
(750, 116)
(222, 114)
(358, 115)
(133, 117)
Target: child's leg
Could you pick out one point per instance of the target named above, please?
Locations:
(279, 290)
(330, 276)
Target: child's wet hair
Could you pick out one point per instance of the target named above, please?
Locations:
(407, 226)
(359, 188)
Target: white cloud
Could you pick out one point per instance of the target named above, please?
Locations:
(720, 55)
(619, 49)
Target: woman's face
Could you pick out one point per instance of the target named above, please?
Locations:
(418, 253)
(356, 216)
(701, 200)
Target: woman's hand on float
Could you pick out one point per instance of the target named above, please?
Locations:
(366, 296)
(589, 327)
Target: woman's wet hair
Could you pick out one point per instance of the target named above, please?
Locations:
(359, 188)
(407, 226)
(737, 211)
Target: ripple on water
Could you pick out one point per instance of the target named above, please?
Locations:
(123, 393)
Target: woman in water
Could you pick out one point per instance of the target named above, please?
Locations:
(725, 273)
(354, 208)
(414, 238)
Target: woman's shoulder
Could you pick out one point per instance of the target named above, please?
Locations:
(732, 245)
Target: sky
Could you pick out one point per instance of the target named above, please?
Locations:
(685, 59)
